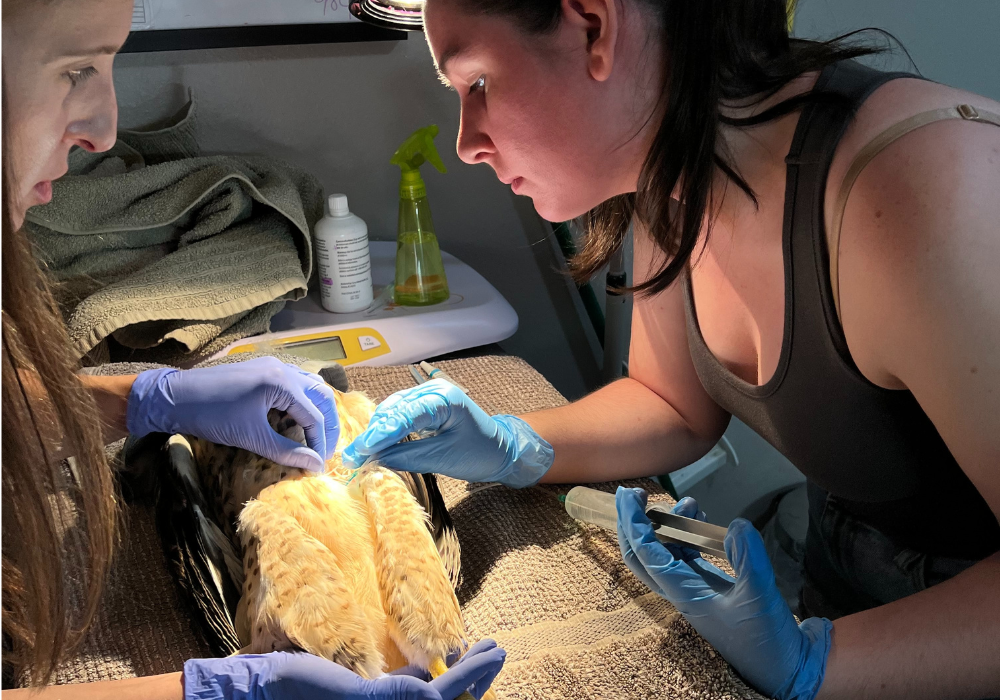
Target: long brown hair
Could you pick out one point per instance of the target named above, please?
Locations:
(714, 51)
(48, 603)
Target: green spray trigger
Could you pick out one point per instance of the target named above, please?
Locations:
(417, 149)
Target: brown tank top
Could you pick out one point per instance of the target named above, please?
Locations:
(874, 449)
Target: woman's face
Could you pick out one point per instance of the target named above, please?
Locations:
(57, 59)
(561, 117)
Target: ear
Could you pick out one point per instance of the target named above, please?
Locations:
(598, 22)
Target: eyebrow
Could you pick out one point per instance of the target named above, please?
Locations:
(448, 55)
(96, 51)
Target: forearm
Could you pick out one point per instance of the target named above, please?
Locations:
(620, 431)
(168, 686)
(943, 642)
(111, 396)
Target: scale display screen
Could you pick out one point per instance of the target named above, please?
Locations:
(329, 348)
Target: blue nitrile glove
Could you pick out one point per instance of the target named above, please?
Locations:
(283, 675)
(464, 442)
(745, 619)
(456, 679)
(228, 404)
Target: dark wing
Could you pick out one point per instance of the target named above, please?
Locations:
(199, 555)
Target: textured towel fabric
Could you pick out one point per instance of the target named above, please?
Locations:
(168, 253)
(554, 592)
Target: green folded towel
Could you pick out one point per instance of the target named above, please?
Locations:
(174, 255)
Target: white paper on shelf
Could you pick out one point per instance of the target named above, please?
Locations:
(193, 14)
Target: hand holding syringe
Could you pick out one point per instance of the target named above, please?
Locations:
(598, 508)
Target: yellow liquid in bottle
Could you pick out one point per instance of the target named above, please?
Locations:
(420, 278)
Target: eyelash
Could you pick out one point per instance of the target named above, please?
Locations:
(76, 77)
(480, 84)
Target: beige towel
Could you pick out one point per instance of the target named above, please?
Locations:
(165, 251)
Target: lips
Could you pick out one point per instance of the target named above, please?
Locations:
(515, 183)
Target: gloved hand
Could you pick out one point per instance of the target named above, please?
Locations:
(464, 442)
(284, 675)
(745, 619)
(228, 404)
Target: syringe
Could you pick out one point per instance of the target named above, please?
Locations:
(598, 508)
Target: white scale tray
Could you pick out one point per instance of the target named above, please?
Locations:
(475, 314)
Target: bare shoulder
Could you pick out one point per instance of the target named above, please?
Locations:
(899, 100)
(955, 142)
(920, 231)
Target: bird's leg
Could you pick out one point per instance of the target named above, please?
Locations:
(438, 668)
(423, 613)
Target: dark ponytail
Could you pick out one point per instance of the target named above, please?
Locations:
(715, 51)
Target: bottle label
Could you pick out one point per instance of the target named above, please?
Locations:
(345, 269)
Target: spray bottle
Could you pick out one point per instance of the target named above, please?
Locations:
(420, 278)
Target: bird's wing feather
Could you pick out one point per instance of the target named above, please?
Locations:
(425, 620)
(424, 488)
(297, 588)
(201, 556)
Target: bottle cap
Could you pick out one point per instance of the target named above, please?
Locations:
(337, 204)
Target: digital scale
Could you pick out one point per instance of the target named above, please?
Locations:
(385, 333)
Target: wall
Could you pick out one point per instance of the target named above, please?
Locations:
(955, 42)
(339, 111)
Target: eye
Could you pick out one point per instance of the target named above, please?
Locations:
(480, 84)
(77, 77)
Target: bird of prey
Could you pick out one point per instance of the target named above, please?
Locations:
(359, 567)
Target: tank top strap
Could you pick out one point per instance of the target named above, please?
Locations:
(868, 153)
(840, 90)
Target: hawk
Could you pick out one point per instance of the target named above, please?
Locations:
(356, 566)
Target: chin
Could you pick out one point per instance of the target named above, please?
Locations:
(558, 212)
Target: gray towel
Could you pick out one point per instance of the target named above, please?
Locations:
(174, 255)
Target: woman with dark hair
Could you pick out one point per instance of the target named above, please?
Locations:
(58, 94)
(816, 252)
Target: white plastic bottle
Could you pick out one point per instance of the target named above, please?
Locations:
(340, 240)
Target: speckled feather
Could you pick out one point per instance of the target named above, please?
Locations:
(345, 568)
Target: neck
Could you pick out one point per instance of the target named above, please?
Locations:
(757, 153)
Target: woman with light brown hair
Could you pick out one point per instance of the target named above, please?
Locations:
(58, 94)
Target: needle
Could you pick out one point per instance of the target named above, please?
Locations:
(434, 373)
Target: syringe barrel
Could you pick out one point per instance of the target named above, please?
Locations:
(599, 508)
(592, 506)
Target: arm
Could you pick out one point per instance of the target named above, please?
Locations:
(943, 642)
(168, 686)
(283, 674)
(227, 404)
(111, 396)
(921, 310)
(658, 420)
(621, 431)
(919, 294)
